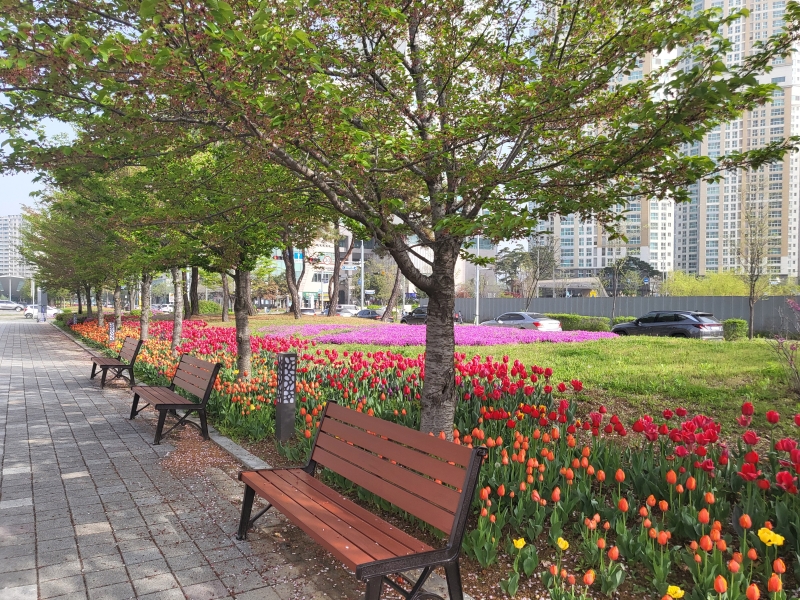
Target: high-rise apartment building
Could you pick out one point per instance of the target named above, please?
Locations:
(11, 261)
(710, 229)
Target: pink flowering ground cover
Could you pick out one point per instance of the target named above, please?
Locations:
(466, 335)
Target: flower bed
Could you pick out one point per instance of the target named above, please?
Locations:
(663, 498)
(466, 335)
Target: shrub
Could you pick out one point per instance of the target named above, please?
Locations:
(135, 313)
(570, 322)
(209, 307)
(618, 320)
(734, 329)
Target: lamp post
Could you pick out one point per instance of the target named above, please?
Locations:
(363, 283)
(478, 285)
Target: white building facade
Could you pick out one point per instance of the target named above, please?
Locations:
(11, 261)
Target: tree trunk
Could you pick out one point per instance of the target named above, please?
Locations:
(393, 296)
(439, 391)
(291, 278)
(144, 319)
(101, 316)
(80, 301)
(752, 303)
(333, 284)
(251, 308)
(194, 296)
(88, 289)
(226, 298)
(117, 306)
(187, 305)
(177, 314)
(241, 279)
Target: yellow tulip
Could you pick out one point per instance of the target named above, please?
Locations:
(675, 592)
(562, 543)
(519, 544)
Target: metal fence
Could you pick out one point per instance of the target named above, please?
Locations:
(771, 315)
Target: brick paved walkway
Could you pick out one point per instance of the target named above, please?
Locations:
(87, 511)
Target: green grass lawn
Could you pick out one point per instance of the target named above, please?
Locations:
(642, 374)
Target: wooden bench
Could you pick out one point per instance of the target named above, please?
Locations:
(428, 477)
(128, 353)
(194, 376)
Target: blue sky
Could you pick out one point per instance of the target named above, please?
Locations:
(15, 191)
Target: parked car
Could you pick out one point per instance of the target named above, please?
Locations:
(32, 311)
(419, 316)
(308, 312)
(525, 320)
(9, 305)
(674, 323)
(368, 313)
(167, 308)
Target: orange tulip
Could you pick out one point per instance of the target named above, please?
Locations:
(752, 592)
(647, 523)
(556, 495)
(613, 553)
(703, 516)
(706, 543)
(745, 523)
(619, 476)
(663, 505)
(733, 566)
(622, 505)
(662, 538)
(601, 543)
(778, 566)
(651, 501)
(691, 484)
(679, 488)
(774, 585)
(571, 579)
(720, 584)
(601, 475)
(709, 498)
(722, 546)
(672, 477)
(643, 511)
(715, 535)
(501, 491)
(752, 554)
(589, 576)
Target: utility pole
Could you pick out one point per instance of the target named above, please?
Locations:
(478, 285)
(363, 283)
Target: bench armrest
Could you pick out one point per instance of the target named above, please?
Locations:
(432, 558)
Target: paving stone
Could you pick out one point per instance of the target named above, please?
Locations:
(62, 586)
(206, 591)
(25, 592)
(17, 579)
(156, 583)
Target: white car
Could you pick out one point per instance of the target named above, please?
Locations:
(32, 310)
(9, 305)
(525, 320)
(167, 308)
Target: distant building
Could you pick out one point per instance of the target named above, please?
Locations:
(11, 261)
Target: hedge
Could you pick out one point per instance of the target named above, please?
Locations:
(209, 307)
(570, 322)
(734, 329)
(618, 320)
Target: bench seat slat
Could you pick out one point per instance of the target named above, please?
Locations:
(102, 361)
(370, 540)
(426, 443)
(422, 488)
(192, 385)
(161, 395)
(319, 529)
(422, 509)
(408, 457)
(391, 537)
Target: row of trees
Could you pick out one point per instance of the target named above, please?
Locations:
(426, 123)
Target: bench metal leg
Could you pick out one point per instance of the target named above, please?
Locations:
(374, 588)
(247, 508)
(453, 573)
(203, 423)
(133, 382)
(103, 378)
(94, 371)
(162, 415)
(134, 412)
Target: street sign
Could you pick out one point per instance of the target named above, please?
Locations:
(369, 292)
(646, 280)
(349, 268)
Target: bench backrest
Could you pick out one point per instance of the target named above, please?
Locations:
(431, 478)
(196, 376)
(130, 350)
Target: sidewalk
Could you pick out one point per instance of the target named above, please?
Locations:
(89, 510)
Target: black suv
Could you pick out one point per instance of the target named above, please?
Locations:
(419, 316)
(674, 323)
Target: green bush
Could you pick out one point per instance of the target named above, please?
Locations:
(734, 329)
(209, 307)
(571, 322)
(135, 313)
(618, 320)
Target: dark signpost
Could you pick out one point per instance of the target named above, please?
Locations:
(285, 397)
(42, 305)
(112, 332)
